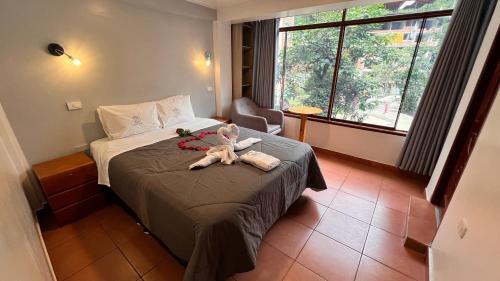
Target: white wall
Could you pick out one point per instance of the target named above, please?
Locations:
(27, 179)
(464, 102)
(477, 199)
(131, 51)
(222, 66)
(22, 253)
(378, 147)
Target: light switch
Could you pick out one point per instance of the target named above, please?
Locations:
(74, 105)
(210, 89)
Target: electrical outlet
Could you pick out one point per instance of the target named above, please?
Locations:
(462, 228)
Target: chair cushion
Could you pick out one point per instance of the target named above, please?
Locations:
(271, 128)
(246, 106)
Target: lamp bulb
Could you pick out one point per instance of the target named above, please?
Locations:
(76, 62)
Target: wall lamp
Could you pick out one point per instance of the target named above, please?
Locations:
(208, 58)
(57, 50)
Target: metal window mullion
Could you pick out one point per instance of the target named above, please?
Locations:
(408, 77)
(343, 22)
(337, 67)
(283, 70)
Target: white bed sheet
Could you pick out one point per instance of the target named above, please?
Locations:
(103, 150)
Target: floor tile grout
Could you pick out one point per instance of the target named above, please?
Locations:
(349, 174)
(395, 269)
(68, 239)
(98, 258)
(366, 237)
(312, 270)
(123, 254)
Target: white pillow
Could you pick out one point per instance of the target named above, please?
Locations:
(175, 110)
(120, 121)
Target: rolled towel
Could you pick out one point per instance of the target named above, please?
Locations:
(204, 162)
(225, 153)
(260, 160)
(246, 143)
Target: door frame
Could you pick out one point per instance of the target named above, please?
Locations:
(479, 106)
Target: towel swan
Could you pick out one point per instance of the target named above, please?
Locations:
(224, 152)
(227, 137)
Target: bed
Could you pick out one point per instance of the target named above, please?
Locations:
(212, 218)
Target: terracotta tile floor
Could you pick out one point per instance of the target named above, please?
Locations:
(352, 231)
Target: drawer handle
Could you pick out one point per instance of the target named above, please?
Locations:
(70, 174)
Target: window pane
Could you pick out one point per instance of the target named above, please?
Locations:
(309, 64)
(398, 7)
(432, 38)
(321, 17)
(375, 62)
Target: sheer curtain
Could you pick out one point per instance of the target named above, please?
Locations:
(446, 85)
(16, 156)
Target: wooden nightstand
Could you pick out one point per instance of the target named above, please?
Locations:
(70, 185)
(222, 119)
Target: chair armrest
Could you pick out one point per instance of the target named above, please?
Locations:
(252, 122)
(273, 116)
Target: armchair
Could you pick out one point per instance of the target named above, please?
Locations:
(245, 113)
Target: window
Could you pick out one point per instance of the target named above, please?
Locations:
(373, 72)
(310, 61)
(432, 37)
(399, 8)
(321, 17)
(385, 54)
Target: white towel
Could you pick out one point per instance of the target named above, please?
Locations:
(225, 150)
(260, 160)
(244, 144)
(226, 136)
(225, 153)
(204, 162)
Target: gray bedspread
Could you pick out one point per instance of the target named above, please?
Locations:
(213, 218)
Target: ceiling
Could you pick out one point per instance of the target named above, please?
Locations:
(217, 4)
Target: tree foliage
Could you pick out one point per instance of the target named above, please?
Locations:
(374, 63)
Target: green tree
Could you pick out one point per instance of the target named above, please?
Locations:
(310, 59)
(374, 63)
(426, 57)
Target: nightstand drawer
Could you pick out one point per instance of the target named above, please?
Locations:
(68, 179)
(80, 209)
(73, 195)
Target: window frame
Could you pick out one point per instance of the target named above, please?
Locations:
(342, 24)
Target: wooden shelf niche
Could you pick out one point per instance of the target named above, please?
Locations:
(242, 45)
